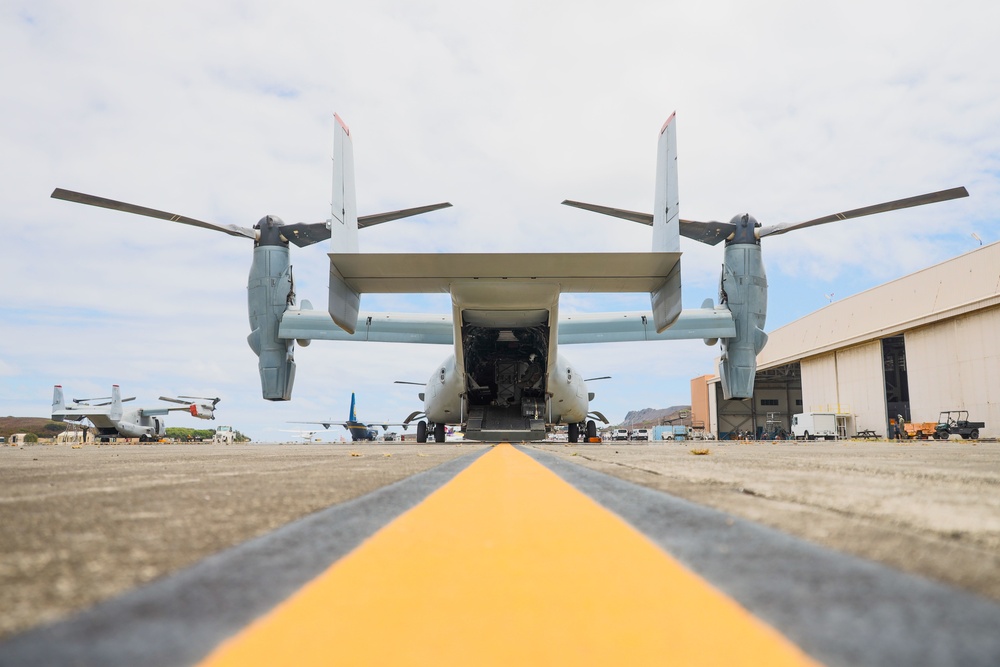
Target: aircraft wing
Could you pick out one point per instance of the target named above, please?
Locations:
(372, 327)
(619, 327)
(328, 424)
(579, 328)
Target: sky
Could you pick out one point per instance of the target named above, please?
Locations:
(223, 111)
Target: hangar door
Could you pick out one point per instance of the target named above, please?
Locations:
(897, 388)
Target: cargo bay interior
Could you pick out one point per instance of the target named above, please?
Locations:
(922, 344)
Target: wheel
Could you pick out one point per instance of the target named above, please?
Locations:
(591, 430)
(438, 432)
(941, 435)
(573, 432)
(421, 431)
(974, 434)
(805, 435)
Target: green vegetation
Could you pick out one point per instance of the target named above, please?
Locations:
(190, 434)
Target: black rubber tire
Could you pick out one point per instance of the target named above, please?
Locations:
(421, 431)
(974, 434)
(573, 432)
(591, 430)
(438, 432)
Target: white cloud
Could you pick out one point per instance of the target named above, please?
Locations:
(223, 112)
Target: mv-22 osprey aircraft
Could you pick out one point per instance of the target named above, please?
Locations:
(506, 378)
(111, 420)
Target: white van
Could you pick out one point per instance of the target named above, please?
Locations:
(640, 434)
(812, 425)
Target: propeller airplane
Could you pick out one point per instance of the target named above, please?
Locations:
(506, 377)
(358, 430)
(112, 420)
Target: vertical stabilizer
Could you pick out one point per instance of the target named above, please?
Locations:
(666, 299)
(353, 416)
(344, 224)
(58, 403)
(115, 412)
(343, 302)
(666, 214)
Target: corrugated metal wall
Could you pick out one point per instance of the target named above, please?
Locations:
(862, 393)
(848, 381)
(955, 365)
(819, 383)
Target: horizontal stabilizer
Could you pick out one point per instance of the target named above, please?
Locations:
(397, 273)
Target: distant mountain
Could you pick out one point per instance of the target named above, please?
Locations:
(43, 427)
(648, 417)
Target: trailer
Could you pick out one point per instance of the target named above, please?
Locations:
(957, 421)
(920, 430)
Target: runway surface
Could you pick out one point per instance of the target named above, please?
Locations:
(512, 555)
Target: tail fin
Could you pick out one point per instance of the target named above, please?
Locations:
(666, 212)
(353, 416)
(115, 412)
(344, 302)
(666, 299)
(344, 225)
(58, 404)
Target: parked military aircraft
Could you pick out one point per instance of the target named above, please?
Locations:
(359, 430)
(112, 420)
(506, 377)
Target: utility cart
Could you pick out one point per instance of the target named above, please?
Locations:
(957, 421)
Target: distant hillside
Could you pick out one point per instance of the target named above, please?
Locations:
(40, 426)
(649, 417)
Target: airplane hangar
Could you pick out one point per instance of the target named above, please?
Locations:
(916, 346)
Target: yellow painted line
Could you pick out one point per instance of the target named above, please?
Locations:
(507, 564)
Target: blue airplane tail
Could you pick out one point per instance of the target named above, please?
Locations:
(353, 416)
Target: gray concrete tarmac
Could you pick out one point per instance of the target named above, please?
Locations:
(82, 525)
(928, 507)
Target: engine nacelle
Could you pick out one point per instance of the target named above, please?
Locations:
(202, 411)
(270, 291)
(743, 289)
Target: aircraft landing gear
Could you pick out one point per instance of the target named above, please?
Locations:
(573, 432)
(438, 432)
(421, 431)
(591, 429)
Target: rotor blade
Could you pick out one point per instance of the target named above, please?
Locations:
(214, 400)
(919, 200)
(379, 218)
(603, 377)
(634, 216)
(174, 400)
(705, 232)
(709, 233)
(92, 200)
(419, 384)
(305, 234)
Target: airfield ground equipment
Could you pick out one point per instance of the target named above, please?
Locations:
(957, 421)
(920, 430)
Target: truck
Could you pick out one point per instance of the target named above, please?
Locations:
(812, 425)
(957, 421)
(620, 434)
(639, 434)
